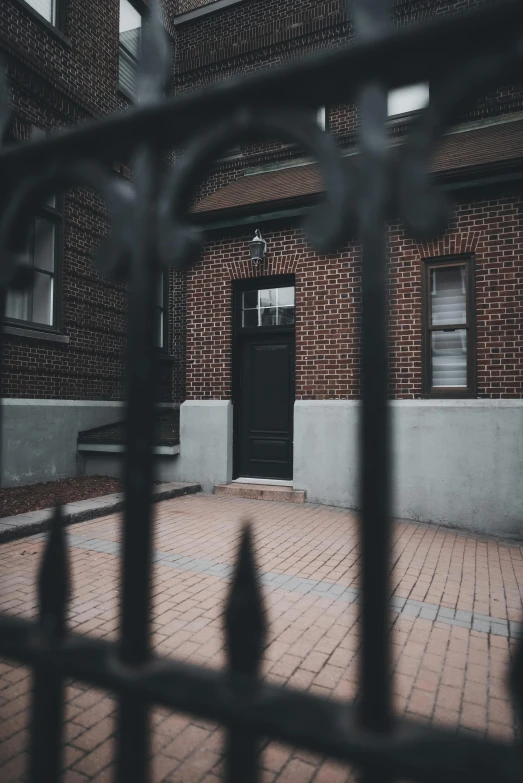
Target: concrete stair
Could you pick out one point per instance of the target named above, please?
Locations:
(261, 492)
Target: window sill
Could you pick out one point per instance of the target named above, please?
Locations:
(452, 395)
(204, 10)
(36, 334)
(43, 21)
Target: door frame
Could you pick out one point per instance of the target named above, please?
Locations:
(237, 288)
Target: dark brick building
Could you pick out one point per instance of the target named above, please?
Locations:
(275, 388)
(267, 357)
(68, 61)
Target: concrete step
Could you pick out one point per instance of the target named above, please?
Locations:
(261, 492)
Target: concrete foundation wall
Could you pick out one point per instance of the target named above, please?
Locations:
(39, 436)
(456, 462)
(205, 443)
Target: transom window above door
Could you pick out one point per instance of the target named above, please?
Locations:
(268, 307)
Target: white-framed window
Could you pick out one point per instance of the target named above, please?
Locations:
(268, 307)
(405, 100)
(37, 305)
(46, 8)
(130, 32)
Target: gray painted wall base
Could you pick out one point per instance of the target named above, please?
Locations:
(205, 443)
(39, 436)
(456, 462)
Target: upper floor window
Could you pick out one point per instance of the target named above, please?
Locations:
(449, 327)
(129, 49)
(37, 305)
(406, 100)
(46, 8)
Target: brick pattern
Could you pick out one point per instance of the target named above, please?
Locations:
(54, 85)
(443, 673)
(328, 305)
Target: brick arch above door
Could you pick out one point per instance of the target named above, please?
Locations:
(244, 268)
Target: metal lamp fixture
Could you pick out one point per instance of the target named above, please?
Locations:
(257, 248)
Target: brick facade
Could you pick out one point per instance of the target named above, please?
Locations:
(328, 304)
(486, 224)
(57, 79)
(60, 79)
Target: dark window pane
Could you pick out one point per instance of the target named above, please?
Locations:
(268, 316)
(250, 318)
(44, 244)
(448, 295)
(17, 305)
(449, 358)
(285, 316)
(286, 297)
(268, 297)
(250, 299)
(42, 299)
(158, 331)
(47, 8)
(159, 291)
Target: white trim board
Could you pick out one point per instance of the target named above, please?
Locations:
(22, 401)
(266, 482)
(116, 448)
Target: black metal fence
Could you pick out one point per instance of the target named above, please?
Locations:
(462, 56)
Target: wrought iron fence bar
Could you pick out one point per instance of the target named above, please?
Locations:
(245, 638)
(47, 716)
(413, 750)
(312, 81)
(133, 733)
(372, 18)
(47, 713)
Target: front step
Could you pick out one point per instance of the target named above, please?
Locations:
(261, 492)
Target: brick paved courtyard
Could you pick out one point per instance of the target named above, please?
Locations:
(457, 601)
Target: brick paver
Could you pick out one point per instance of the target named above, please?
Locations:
(456, 601)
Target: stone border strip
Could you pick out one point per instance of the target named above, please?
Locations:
(351, 595)
(22, 525)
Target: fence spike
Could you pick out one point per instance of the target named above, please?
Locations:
(244, 617)
(245, 637)
(53, 579)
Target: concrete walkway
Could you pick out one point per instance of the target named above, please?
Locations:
(457, 604)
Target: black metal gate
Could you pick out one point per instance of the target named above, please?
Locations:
(463, 54)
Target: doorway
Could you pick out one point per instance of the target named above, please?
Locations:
(264, 378)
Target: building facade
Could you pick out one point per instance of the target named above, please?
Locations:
(67, 62)
(264, 358)
(272, 359)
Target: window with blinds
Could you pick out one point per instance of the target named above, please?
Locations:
(129, 49)
(46, 8)
(449, 327)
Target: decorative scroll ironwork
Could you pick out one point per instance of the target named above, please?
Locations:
(150, 227)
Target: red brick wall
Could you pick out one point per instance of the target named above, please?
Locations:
(328, 305)
(55, 84)
(258, 34)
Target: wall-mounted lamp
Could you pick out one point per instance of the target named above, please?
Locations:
(257, 248)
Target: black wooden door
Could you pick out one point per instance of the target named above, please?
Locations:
(264, 378)
(266, 406)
